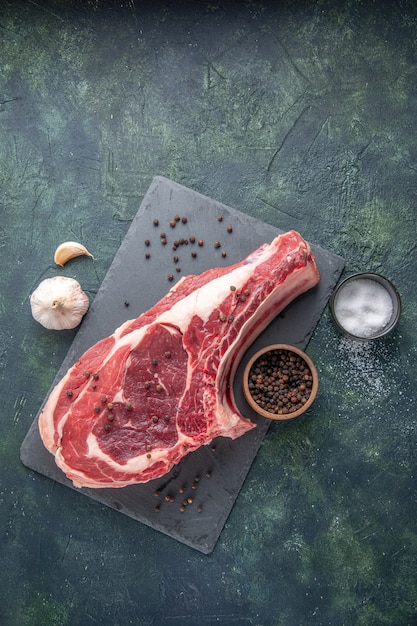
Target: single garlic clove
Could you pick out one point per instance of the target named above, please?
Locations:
(69, 250)
(59, 303)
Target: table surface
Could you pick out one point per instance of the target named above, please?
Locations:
(302, 115)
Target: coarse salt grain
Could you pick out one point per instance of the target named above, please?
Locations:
(363, 307)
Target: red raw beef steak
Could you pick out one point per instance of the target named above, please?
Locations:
(162, 385)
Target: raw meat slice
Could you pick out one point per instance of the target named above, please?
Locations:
(162, 385)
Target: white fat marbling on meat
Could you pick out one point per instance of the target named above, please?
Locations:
(208, 297)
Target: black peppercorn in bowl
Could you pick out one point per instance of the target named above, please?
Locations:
(280, 382)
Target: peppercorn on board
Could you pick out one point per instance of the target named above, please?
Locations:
(178, 231)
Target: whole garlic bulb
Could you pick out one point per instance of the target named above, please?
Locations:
(59, 303)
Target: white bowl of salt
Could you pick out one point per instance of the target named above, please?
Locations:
(365, 306)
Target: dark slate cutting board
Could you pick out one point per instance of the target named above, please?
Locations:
(212, 476)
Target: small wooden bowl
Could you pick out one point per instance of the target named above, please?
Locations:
(291, 414)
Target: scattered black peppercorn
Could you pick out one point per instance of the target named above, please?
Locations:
(172, 223)
(224, 255)
(177, 269)
(175, 259)
(170, 277)
(229, 229)
(220, 218)
(184, 220)
(217, 244)
(200, 242)
(156, 222)
(163, 241)
(194, 254)
(191, 239)
(147, 255)
(69, 393)
(177, 217)
(147, 242)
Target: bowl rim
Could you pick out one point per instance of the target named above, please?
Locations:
(391, 289)
(248, 396)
